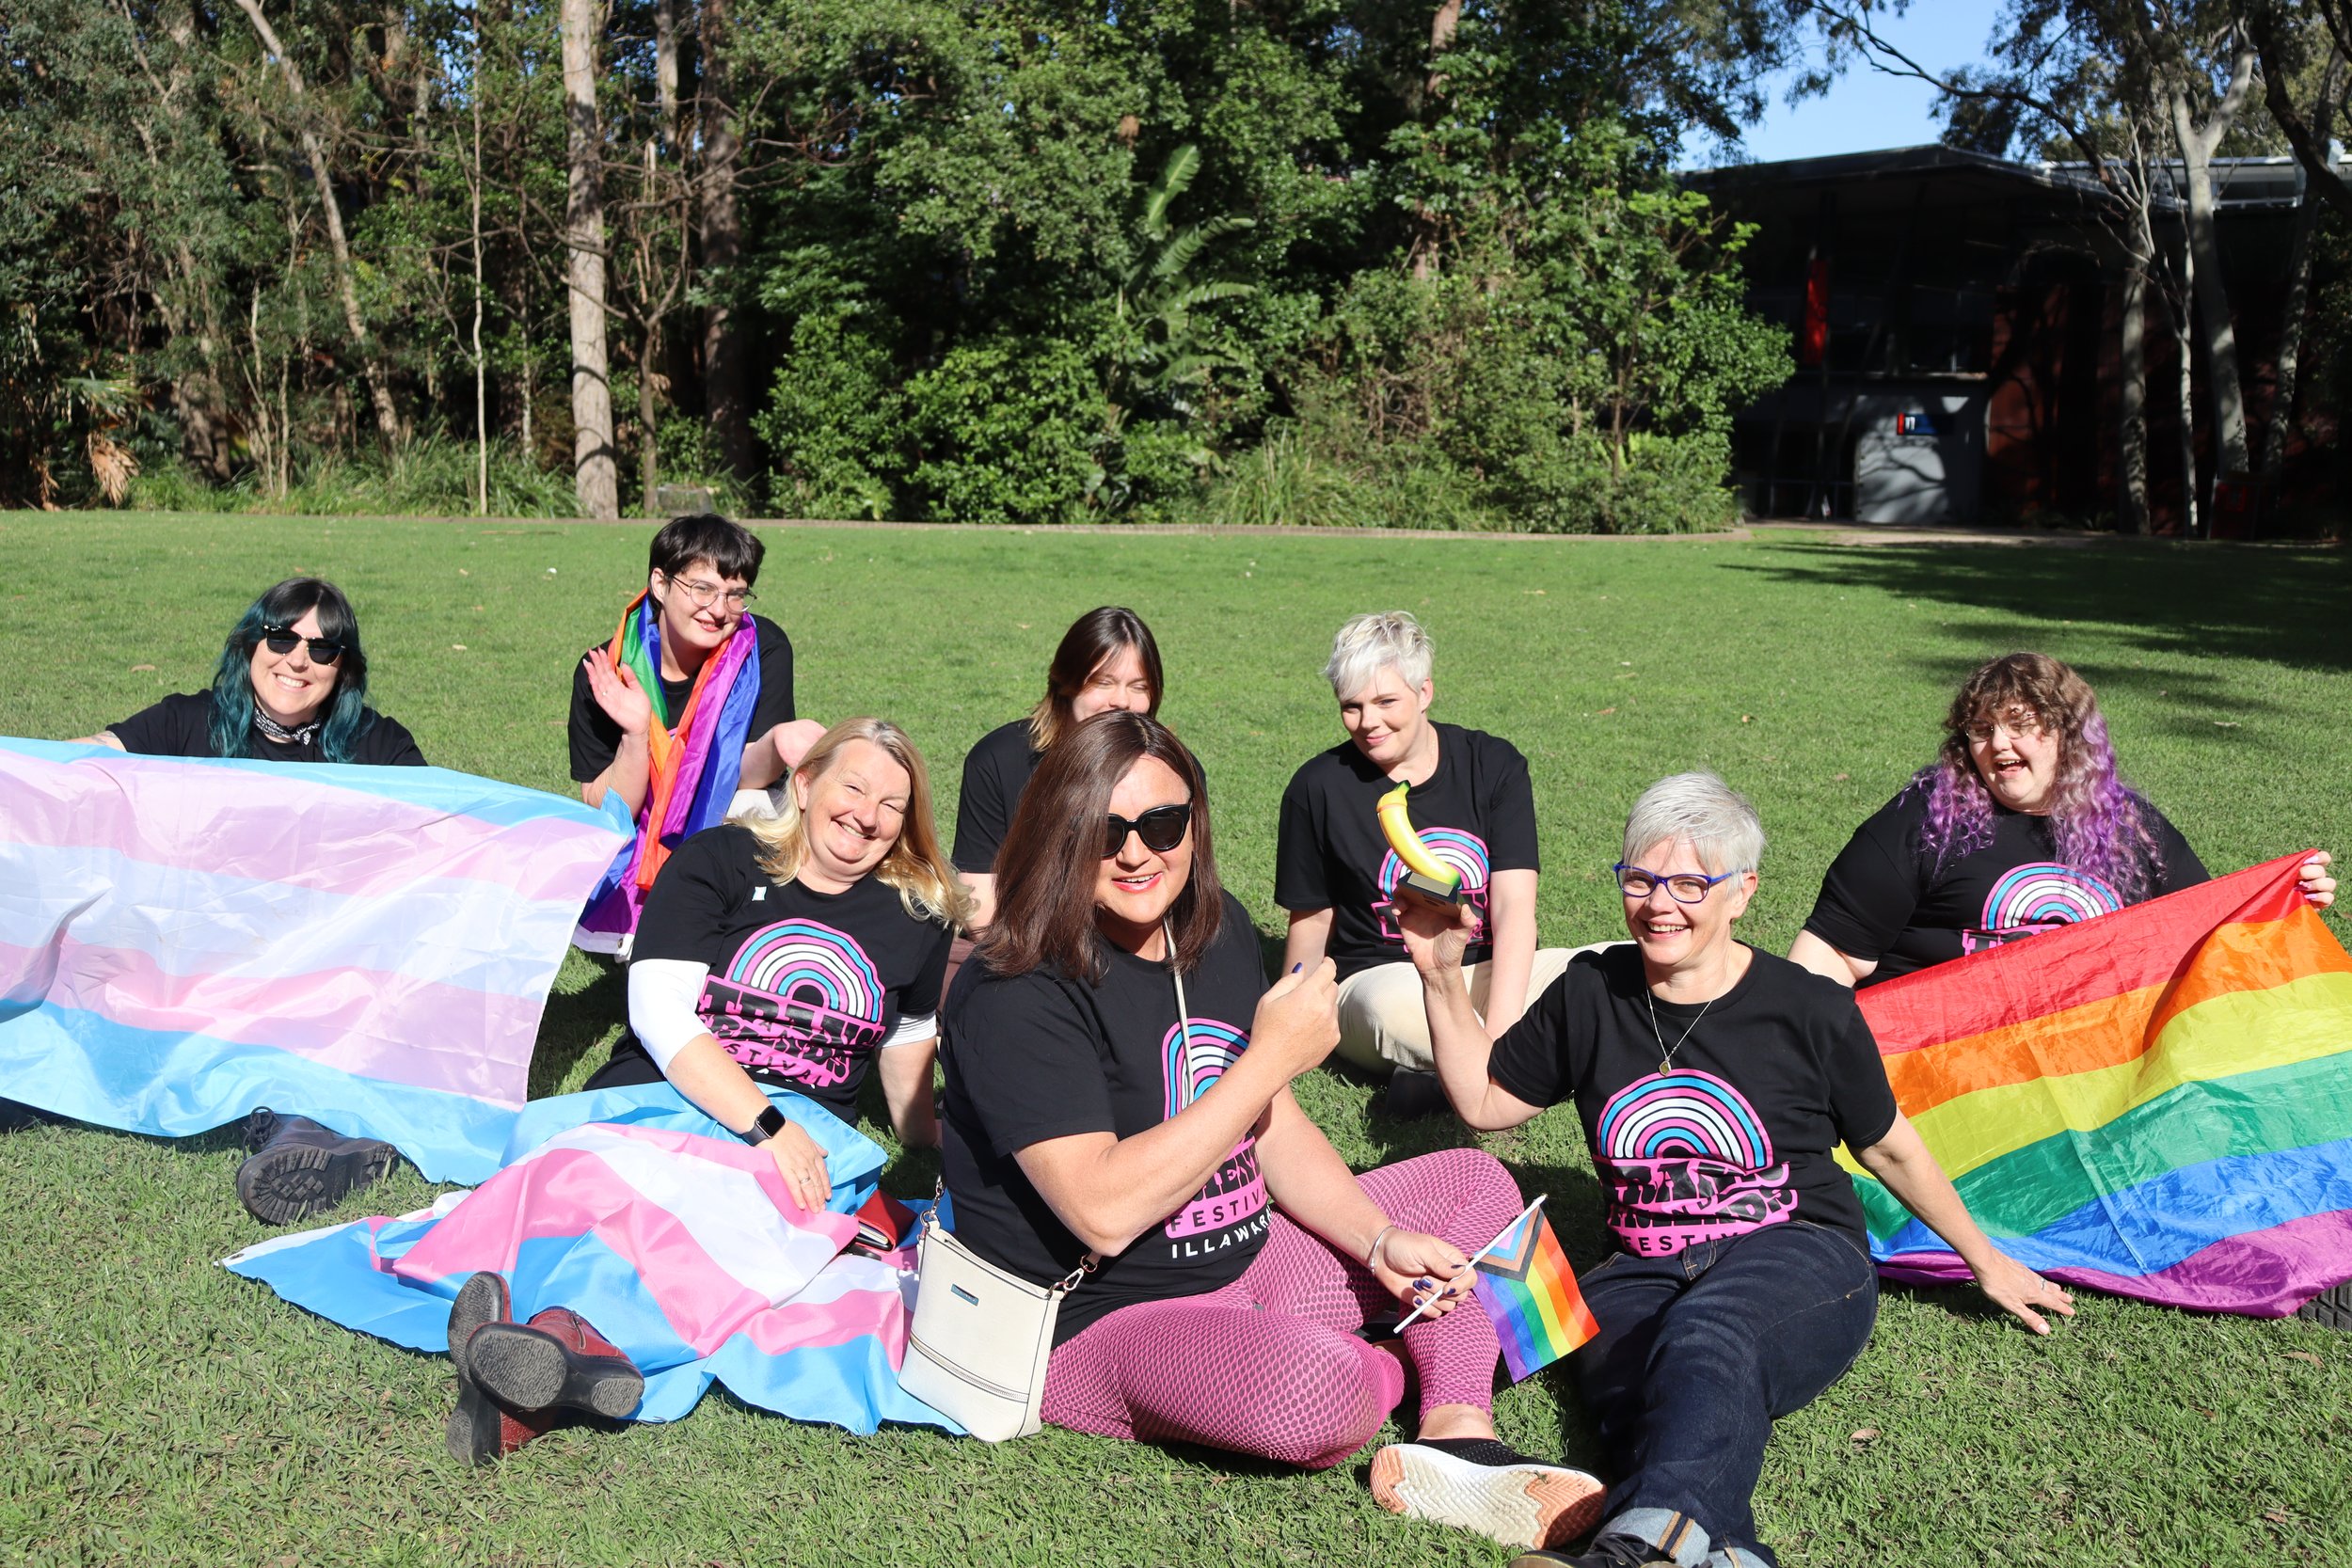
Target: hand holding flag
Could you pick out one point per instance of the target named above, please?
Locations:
(1524, 1282)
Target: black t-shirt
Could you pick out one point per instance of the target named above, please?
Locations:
(181, 727)
(595, 737)
(804, 986)
(996, 771)
(1885, 897)
(1477, 814)
(1777, 1071)
(1040, 1055)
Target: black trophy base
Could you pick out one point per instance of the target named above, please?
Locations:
(1449, 894)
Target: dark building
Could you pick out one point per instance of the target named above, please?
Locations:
(1958, 327)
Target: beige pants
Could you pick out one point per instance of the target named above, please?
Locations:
(1383, 1025)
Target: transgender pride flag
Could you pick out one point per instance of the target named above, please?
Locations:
(182, 941)
(676, 1239)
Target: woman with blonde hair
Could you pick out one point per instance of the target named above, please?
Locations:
(802, 951)
(793, 952)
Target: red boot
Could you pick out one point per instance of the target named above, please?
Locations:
(479, 1432)
(555, 1362)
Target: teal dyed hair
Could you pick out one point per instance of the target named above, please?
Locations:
(232, 683)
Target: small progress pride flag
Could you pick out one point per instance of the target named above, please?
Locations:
(182, 940)
(2157, 1103)
(1527, 1288)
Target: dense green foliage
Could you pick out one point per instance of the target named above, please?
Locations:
(1025, 261)
(160, 1410)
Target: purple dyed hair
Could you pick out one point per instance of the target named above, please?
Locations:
(2099, 823)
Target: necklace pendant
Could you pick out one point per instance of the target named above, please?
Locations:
(1665, 1068)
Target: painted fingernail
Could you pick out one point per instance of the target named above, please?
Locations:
(1296, 968)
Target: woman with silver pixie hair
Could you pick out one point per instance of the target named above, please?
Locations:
(1712, 1081)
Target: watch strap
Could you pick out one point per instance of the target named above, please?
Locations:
(770, 1122)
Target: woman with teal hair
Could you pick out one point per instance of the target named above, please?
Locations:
(291, 686)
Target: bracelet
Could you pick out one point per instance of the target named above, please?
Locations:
(1372, 1258)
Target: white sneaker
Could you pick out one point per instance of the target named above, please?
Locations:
(1480, 1485)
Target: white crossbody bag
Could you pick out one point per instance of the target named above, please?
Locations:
(977, 1346)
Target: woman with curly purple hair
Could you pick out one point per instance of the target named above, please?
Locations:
(2021, 823)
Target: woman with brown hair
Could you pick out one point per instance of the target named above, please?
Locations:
(1118, 1088)
(2021, 824)
(1108, 662)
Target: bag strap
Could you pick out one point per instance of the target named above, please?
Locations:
(1062, 1287)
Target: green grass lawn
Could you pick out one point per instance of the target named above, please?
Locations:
(154, 1407)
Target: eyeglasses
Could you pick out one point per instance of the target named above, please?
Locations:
(2017, 721)
(705, 595)
(1686, 887)
(281, 641)
(1161, 829)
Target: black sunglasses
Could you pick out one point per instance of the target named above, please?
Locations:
(281, 640)
(1161, 829)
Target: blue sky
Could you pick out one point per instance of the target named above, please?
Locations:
(1865, 109)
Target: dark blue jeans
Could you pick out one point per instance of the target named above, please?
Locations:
(1698, 1353)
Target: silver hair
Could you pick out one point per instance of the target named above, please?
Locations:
(1717, 821)
(1369, 643)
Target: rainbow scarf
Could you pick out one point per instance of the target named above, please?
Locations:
(2157, 1103)
(697, 762)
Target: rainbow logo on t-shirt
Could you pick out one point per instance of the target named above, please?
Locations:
(812, 962)
(1687, 1159)
(1214, 1046)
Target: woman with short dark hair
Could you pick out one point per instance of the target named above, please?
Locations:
(1118, 1088)
(2021, 824)
(689, 704)
(291, 685)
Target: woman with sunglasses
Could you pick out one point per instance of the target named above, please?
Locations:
(1713, 1083)
(291, 686)
(2021, 824)
(1119, 1092)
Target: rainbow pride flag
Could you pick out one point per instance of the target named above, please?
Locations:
(1526, 1286)
(182, 940)
(2155, 1103)
(674, 1238)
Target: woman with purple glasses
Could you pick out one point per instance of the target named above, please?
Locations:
(2021, 824)
(291, 686)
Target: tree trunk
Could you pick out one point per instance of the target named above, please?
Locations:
(2281, 424)
(596, 476)
(725, 373)
(480, 361)
(665, 66)
(2131, 404)
(2183, 351)
(346, 285)
(2224, 394)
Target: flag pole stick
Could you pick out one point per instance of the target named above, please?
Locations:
(1470, 1264)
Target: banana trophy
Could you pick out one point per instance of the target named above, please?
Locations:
(1425, 875)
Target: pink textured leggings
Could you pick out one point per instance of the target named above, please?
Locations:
(1269, 1365)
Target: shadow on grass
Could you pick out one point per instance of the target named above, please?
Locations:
(2186, 600)
(577, 1020)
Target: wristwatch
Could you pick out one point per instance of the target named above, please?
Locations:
(770, 1122)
